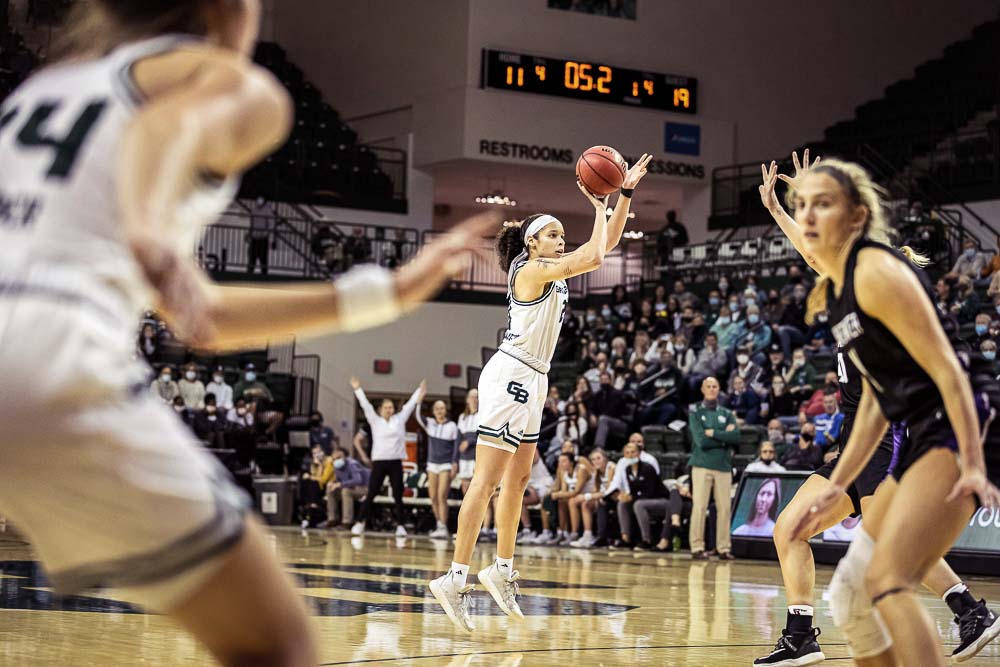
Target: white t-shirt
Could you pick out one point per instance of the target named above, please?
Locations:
(388, 437)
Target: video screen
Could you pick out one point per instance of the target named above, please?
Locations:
(761, 499)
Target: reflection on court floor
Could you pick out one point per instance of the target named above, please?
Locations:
(372, 608)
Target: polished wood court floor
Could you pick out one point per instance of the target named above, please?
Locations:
(372, 608)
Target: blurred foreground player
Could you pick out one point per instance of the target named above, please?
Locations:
(113, 159)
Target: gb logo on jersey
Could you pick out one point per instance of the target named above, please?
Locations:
(517, 390)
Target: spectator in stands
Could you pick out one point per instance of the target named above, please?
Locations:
(766, 461)
(982, 330)
(684, 295)
(725, 330)
(711, 361)
(184, 412)
(792, 325)
(813, 407)
(752, 374)
(776, 433)
(944, 295)
(692, 326)
(240, 416)
(582, 393)
(165, 388)
(442, 461)
(621, 305)
(572, 425)
(328, 248)
(607, 412)
(829, 423)
(320, 434)
(754, 335)
(816, 345)
(759, 295)
(191, 389)
(643, 496)
(776, 364)
(724, 288)
(223, 392)
(744, 403)
(994, 264)
(357, 248)
(585, 503)
(970, 263)
(993, 291)
(714, 306)
(619, 351)
(672, 235)
(736, 313)
(253, 390)
(538, 491)
(210, 425)
(259, 235)
(804, 455)
(149, 343)
(594, 374)
(684, 356)
(641, 348)
(774, 309)
(966, 304)
(574, 477)
(312, 486)
(781, 405)
(988, 348)
(666, 384)
(800, 379)
(468, 428)
(821, 328)
(713, 433)
(349, 484)
(388, 450)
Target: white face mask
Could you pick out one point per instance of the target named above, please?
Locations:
(241, 411)
(217, 379)
(742, 359)
(190, 375)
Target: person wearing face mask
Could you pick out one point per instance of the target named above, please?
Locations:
(820, 328)
(792, 325)
(607, 410)
(321, 435)
(164, 386)
(725, 330)
(750, 297)
(192, 389)
(684, 356)
(988, 348)
(744, 403)
(781, 406)
(724, 288)
(755, 335)
(349, 484)
(981, 332)
(250, 387)
(760, 296)
(223, 392)
(149, 343)
(801, 377)
(712, 360)
(665, 382)
(776, 433)
(713, 305)
(751, 373)
(735, 309)
(970, 263)
(240, 416)
(804, 454)
(714, 433)
(184, 412)
(210, 425)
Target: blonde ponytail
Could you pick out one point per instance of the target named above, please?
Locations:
(862, 191)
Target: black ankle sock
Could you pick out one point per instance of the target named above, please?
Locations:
(798, 624)
(961, 602)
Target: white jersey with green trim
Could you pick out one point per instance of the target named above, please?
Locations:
(533, 326)
(61, 227)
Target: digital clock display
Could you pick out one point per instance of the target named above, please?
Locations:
(592, 81)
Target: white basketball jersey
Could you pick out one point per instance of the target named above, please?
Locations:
(533, 326)
(60, 222)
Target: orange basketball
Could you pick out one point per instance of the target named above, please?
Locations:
(601, 169)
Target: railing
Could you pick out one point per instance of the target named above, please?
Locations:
(305, 369)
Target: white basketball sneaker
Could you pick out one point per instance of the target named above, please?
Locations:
(454, 600)
(358, 528)
(504, 589)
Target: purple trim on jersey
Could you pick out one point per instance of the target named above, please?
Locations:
(898, 439)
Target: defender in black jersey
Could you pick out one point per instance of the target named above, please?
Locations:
(886, 322)
(798, 645)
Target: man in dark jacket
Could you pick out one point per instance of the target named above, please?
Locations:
(607, 412)
(644, 495)
(805, 454)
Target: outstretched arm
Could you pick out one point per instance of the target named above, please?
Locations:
(769, 198)
(366, 406)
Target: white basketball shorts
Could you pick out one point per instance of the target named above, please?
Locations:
(511, 398)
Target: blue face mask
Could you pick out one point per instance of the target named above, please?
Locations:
(251, 376)
(628, 460)
(712, 301)
(980, 329)
(970, 252)
(750, 302)
(734, 305)
(339, 463)
(990, 355)
(724, 320)
(753, 319)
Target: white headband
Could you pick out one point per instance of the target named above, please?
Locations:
(536, 226)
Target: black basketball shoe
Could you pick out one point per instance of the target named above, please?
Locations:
(794, 650)
(977, 627)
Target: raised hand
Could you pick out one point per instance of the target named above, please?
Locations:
(636, 172)
(769, 176)
(600, 203)
(800, 169)
(355, 383)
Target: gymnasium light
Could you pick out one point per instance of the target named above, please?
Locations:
(496, 198)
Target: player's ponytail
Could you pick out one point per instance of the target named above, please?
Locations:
(861, 190)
